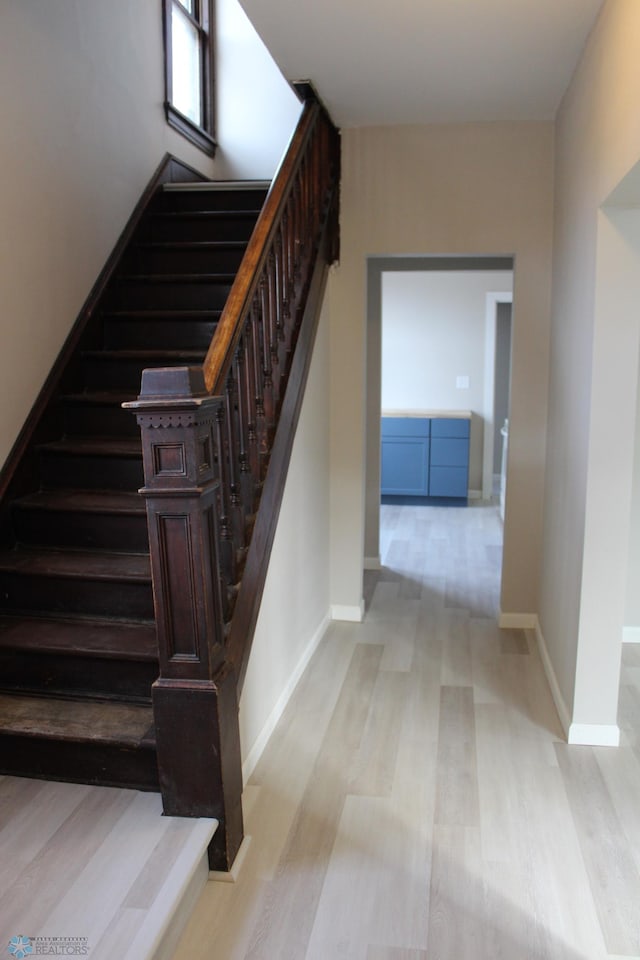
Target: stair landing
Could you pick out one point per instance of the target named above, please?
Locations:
(131, 876)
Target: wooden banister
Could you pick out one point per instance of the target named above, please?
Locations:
(208, 436)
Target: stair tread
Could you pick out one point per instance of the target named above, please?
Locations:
(92, 446)
(145, 354)
(198, 277)
(99, 397)
(153, 314)
(75, 720)
(85, 501)
(193, 244)
(98, 638)
(254, 212)
(80, 564)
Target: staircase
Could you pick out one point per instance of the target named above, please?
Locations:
(78, 648)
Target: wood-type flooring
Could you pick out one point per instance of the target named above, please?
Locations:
(417, 800)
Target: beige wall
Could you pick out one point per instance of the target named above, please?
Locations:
(295, 606)
(81, 131)
(593, 374)
(467, 189)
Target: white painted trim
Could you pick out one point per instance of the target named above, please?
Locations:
(255, 753)
(490, 333)
(595, 734)
(631, 634)
(552, 680)
(351, 614)
(518, 621)
(231, 876)
(372, 563)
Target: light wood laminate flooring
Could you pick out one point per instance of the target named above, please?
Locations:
(417, 800)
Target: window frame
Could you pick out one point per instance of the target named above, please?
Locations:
(202, 18)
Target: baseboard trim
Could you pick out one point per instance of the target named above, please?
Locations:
(552, 680)
(517, 621)
(352, 614)
(594, 734)
(255, 753)
(372, 563)
(631, 634)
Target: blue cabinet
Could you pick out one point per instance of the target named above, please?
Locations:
(425, 456)
(405, 456)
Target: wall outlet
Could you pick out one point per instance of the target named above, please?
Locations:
(462, 383)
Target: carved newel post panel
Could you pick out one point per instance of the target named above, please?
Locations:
(195, 697)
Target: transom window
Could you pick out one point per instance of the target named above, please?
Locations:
(188, 50)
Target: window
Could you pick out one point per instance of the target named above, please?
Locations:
(188, 66)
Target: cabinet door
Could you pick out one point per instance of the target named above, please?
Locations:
(405, 466)
(449, 460)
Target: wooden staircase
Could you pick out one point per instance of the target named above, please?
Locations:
(78, 648)
(126, 621)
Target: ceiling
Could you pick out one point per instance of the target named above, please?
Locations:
(428, 61)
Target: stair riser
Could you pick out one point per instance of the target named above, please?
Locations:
(95, 420)
(211, 200)
(92, 473)
(108, 373)
(161, 295)
(106, 765)
(85, 531)
(194, 228)
(76, 676)
(73, 595)
(164, 334)
(149, 259)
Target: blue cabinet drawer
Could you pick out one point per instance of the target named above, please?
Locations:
(449, 452)
(405, 427)
(448, 481)
(450, 427)
(405, 466)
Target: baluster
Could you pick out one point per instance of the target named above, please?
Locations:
(228, 560)
(267, 382)
(245, 418)
(257, 381)
(233, 465)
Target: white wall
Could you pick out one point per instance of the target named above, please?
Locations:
(593, 376)
(295, 605)
(469, 189)
(257, 109)
(433, 331)
(82, 130)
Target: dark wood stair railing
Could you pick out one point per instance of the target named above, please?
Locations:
(208, 436)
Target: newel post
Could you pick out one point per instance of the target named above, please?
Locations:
(195, 702)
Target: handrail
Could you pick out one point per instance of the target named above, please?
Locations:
(225, 340)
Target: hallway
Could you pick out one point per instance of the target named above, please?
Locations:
(417, 799)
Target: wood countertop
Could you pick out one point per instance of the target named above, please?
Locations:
(445, 414)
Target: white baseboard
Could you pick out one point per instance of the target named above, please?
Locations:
(552, 680)
(255, 753)
(352, 614)
(518, 621)
(594, 734)
(631, 634)
(372, 563)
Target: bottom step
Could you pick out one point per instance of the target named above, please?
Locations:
(108, 743)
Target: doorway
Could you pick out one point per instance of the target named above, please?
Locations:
(432, 378)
